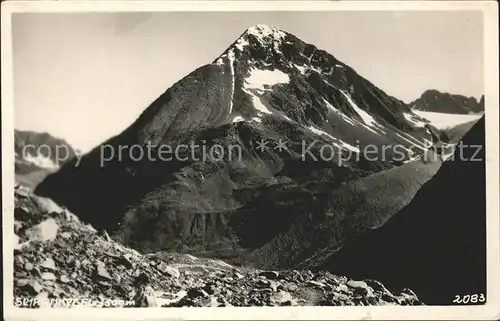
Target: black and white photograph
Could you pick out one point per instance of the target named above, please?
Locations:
(244, 157)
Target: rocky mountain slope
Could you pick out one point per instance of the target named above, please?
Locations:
(39, 154)
(350, 210)
(436, 101)
(57, 258)
(268, 85)
(435, 245)
(265, 225)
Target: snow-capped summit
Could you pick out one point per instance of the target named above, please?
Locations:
(442, 102)
(260, 36)
(263, 31)
(270, 66)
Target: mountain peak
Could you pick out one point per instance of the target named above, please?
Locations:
(261, 30)
(259, 35)
(436, 101)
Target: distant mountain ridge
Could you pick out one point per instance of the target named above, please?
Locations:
(29, 143)
(39, 154)
(435, 101)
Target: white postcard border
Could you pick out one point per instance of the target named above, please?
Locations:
(491, 53)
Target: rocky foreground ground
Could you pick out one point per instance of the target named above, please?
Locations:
(56, 256)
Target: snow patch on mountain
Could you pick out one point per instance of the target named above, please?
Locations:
(337, 142)
(412, 158)
(371, 124)
(259, 79)
(302, 69)
(257, 103)
(263, 109)
(306, 69)
(241, 43)
(348, 146)
(319, 132)
(367, 118)
(369, 121)
(414, 121)
(264, 31)
(41, 161)
(344, 117)
(233, 83)
(444, 121)
(414, 142)
(220, 61)
(448, 151)
(237, 119)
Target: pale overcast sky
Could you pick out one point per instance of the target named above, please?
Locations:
(85, 77)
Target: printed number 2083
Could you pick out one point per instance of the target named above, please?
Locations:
(469, 298)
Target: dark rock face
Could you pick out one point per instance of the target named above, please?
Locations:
(437, 247)
(435, 101)
(80, 263)
(267, 85)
